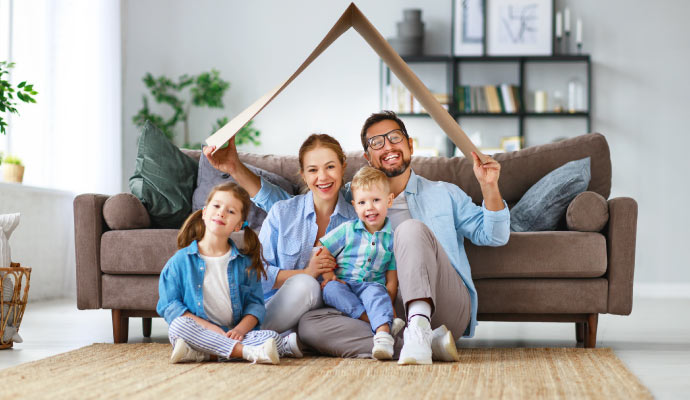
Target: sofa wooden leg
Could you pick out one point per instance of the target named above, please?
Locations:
(591, 331)
(146, 325)
(120, 327)
(580, 332)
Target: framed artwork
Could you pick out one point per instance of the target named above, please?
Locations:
(519, 27)
(468, 28)
(512, 143)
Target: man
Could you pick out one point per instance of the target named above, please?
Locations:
(431, 220)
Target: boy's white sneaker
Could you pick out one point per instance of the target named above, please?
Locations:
(397, 326)
(383, 346)
(266, 353)
(417, 346)
(291, 344)
(443, 345)
(183, 353)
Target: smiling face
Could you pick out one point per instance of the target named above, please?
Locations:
(223, 214)
(371, 205)
(323, 173)
(392, 159)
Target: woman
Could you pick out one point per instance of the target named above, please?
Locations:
(294, 226)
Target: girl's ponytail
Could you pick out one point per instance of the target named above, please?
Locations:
(253, 249)
(192, 229)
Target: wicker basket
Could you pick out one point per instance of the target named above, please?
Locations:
(12, 310)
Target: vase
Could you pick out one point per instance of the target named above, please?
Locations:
(12, 173)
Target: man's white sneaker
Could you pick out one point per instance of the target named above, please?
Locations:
(291, 344)
(266, 353)
(183, 353)
(397, 326)
(417, 346)
(443, 345)
(383, 346)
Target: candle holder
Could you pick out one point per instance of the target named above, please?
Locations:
(559, 48)
(579, 48)
(566, 48)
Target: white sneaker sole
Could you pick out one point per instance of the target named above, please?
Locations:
(414, 361)
(179, 351)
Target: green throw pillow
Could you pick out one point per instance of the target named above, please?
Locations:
(163, 179)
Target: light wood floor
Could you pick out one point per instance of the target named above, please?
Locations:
(654, 341)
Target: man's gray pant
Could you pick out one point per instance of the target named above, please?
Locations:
(424, 271)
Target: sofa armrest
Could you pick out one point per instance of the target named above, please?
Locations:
(621, 235)
(89, 225)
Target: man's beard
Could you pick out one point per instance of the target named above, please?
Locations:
(392, 173)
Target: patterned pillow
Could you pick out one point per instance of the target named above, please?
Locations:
(543, 206)
(208, 177)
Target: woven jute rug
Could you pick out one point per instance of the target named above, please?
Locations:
(124, 371)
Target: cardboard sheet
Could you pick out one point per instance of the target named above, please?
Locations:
(353, 18)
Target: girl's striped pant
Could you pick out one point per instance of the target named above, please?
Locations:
(210, 342)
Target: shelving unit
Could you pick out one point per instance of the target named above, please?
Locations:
(454, 79)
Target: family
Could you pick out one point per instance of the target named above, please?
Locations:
(332, 268)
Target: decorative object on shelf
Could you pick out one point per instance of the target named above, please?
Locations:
(24, 92)
(410, 39)
(540, 101)
(14, 288)
(468, 29)
(557, 101)
(519, 27)
(559, 32)
(566, 28)
(511, 143)
(205, 90)
(576, 96)
(12, 169)
(578, 35)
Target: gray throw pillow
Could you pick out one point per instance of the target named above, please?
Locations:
(544, 204)
(163, 179)
(208, 177)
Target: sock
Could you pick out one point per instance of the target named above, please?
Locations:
(418, 309)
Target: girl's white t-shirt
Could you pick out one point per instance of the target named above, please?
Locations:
(216, 290)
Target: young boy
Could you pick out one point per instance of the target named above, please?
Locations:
(365, 284)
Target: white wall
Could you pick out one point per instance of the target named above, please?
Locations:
(639, 52)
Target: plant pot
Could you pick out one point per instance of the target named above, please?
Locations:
(12, 173)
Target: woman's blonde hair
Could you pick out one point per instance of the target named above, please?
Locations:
(194, 228)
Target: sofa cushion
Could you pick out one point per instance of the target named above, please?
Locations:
(588, 212)
(125, 211)
(560, 254)
(163, 179)
(147, 250)
(208, 177)
(544, 204)
(130, 292)
(542, 296)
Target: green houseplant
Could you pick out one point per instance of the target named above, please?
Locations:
(9, 94)
(205, 90)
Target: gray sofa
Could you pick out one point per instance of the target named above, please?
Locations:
(558, 276)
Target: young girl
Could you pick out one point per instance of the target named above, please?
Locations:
(210, 291)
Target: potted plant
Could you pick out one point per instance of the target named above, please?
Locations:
(12, 169)
(23, 92)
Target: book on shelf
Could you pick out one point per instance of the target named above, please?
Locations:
(494, 99)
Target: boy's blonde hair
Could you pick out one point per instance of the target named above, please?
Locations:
(367, 177)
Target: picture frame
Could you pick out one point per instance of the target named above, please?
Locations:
(468, 27)
(511, 143)
(519, 27)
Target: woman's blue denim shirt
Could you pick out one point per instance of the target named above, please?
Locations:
(182, 280)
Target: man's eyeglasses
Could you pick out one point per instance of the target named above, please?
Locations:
(377, 142)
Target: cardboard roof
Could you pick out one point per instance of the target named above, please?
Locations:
(353, 18)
